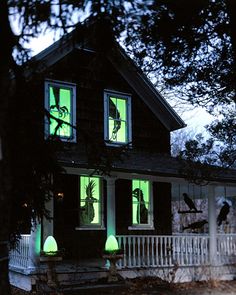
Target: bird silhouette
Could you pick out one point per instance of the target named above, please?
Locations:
(142, 211)
(224, 211)
(87, 212)
(115, 115)
(196, 225)
(189, 202)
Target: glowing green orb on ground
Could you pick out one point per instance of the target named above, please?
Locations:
(111, 244)
(50, 246)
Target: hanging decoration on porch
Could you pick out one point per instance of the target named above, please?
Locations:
(198, 225)
(190, 206)
(224, 211)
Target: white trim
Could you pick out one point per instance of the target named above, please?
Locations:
(141, 227)
(72, 87)
(59, 82)
(89, 228)
(127, 97)
(111, 206)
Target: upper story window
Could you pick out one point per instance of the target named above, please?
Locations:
(60, 101)
(117, 118)
(90, 202)
(142, 211)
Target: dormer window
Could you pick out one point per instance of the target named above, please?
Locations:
(60, 101)
(117, 118)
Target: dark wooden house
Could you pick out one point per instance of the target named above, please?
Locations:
(90, 83)
(116, 152)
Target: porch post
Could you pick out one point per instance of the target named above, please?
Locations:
(212, 225)
(48, 226)
(111, 206)
(34, 245)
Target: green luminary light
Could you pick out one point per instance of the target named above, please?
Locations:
(111, 244)
(50, 246)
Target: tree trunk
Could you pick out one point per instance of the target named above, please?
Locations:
(6, 94)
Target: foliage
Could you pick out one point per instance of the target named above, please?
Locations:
(178, 140)
(190, 46)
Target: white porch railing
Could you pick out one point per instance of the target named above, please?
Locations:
(154, 251)
(182, 250)
(226, 248)
(164, 251)
(19, 257)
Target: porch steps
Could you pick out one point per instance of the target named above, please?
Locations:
(101, 288)
(98, 279)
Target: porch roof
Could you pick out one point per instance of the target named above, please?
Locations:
(151, 163)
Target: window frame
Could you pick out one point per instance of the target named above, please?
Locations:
(150, 224)
(65, 85)
(92, 226)
(127, 97)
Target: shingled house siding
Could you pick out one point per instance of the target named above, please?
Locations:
(162, 208)
(92, 74)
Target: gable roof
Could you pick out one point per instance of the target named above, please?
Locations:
(80, 39)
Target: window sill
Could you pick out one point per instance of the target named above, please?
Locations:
(118, 144)
(90, 228)
(147, 227)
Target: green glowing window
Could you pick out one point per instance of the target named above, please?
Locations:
(90, 202)
(60, 102)
(141, 202)
(117, 118)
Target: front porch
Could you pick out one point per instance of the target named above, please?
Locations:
(149, 248)
(176, 258)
